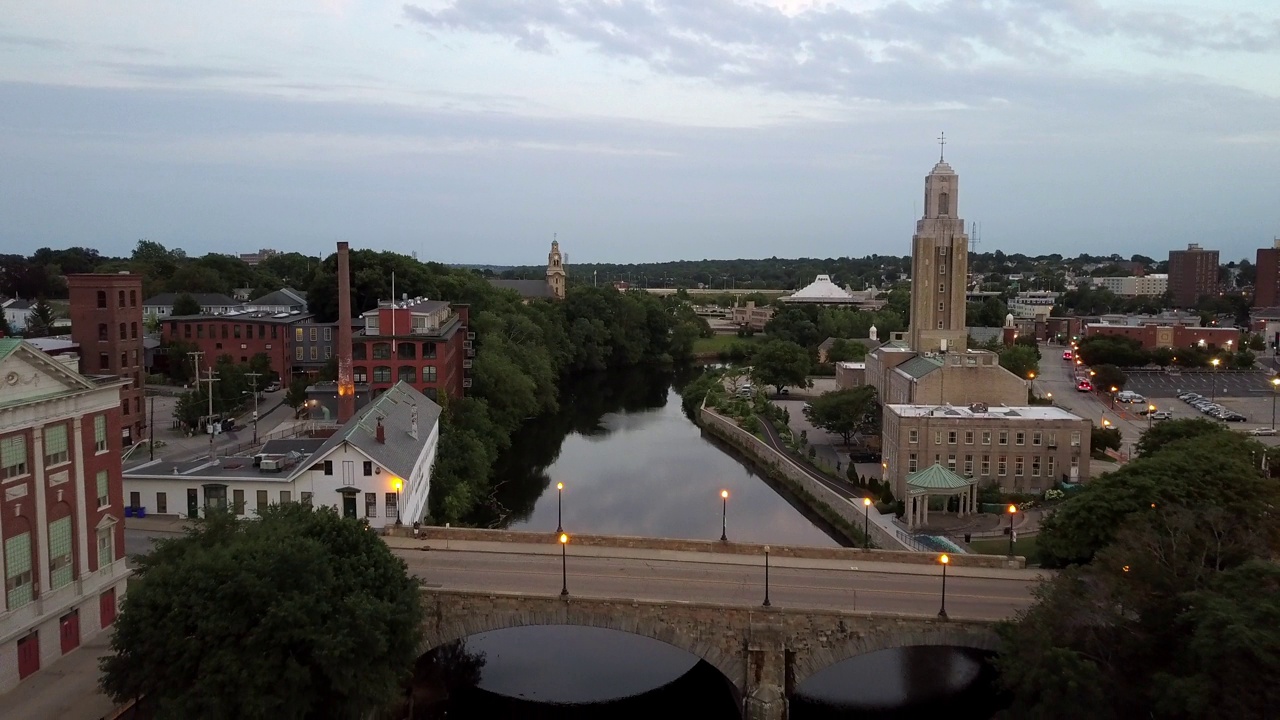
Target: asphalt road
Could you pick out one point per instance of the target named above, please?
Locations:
(697, 577)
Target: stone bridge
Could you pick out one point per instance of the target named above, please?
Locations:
(764, 652)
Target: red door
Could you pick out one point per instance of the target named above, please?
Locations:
(69, 631)
(107, 607)
(28, 655)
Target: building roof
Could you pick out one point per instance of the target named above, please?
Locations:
(983, 335)
(935, 478)
(979, 410)
(395, 408)
(287, 297)
(306, 446)
(54, 344)
(417, 305)
(526, 288)
(205, 300)
(919, 366)
(17, 304)
(820, 290)
(263, 316)
(8, 345)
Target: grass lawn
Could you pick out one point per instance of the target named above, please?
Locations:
(719, 343)
(1025, 546)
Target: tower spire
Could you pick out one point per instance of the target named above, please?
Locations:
(942, 146)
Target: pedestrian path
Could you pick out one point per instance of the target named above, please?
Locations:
(65, 690)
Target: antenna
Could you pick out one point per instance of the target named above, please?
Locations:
(942, 146)
(974, 239)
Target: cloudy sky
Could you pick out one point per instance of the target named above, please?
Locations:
(638, 130)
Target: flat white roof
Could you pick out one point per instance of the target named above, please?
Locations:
(849, 365)
(1003, 412)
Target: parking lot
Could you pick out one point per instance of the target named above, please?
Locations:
(1227, 384)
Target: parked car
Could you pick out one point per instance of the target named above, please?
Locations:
(1066, 355)
(273, 386)
(1258, 432)
(1085, 386)
(1162, 415)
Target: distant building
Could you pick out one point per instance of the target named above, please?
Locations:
(1033, 304)
(424, 343)
(17, 313)
(901, 375)
(106, 322)
(284, 300)
(240, 336)
(161, 306)
(553, 288)
(1266, 288)
(255, 258)
(376, 467)
(752, 318)
(820, 292)
(62, 510)
(1192, 273)
(1154, 335)
(939, 267)
(1145, 285)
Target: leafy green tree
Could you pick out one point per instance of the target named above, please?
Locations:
(1020, 360)
(845, 412)
(40, 319)
(296, 395)
(843, 350)
(1156, 437)
(5, 330)
(261, 363)
(1102, 439)
(1109, 376)
(185, 304)
(304, 613)
(780, 363)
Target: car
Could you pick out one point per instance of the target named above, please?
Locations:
(273, 386)
(1262, 431)
(1085, 386)
(1066, 355)
(1162, 415)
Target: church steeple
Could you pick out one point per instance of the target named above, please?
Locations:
(555, 270)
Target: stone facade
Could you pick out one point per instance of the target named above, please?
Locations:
(939, 267)
(962, 378)
(764, 652)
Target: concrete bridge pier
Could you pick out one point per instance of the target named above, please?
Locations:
(765, 696)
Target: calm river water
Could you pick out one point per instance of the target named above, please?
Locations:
(633, 464)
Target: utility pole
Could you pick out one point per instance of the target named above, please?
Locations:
(153, 427)
(254, 389)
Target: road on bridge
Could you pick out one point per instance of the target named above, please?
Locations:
(673, 576)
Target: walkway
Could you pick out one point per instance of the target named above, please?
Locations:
(66, 690)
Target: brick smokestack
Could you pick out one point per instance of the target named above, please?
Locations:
(346, 383)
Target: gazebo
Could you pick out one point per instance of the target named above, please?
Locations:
(937, 480)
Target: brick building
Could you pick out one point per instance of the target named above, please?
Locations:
(1266, 288)
(106, 321)
(1192, 272)
(61, 514)
(425, 343)
(1153, 336)
(241, 335)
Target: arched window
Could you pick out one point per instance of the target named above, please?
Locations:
(133, 298)
(382, 374)
(124, 333)
(102, 298)
(407, 373)
(133, 330)
(382, 351)
(121, 298)
(406, 350)
(360, 374)
(944, 204)
(102, 332)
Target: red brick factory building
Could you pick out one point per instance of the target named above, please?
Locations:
(106, 321)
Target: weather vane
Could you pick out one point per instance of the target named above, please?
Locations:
(942, 146)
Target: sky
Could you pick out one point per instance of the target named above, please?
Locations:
(472, 131)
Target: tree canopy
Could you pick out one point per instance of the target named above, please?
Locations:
(186, 304)
(780, 363)
(300, 614)
(845, 412)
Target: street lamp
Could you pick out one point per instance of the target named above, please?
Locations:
(1151, 410)
(398, 485)
(564, 566)
(1012, 510)
(866, 523)
(724, 516)
(1114, 390)
(559, 507)
(945, 560)
(1275, 386)
(766, 576)
(1213, 393)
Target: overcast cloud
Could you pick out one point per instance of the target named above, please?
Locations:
(471, 130)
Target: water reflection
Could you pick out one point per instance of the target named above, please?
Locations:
(633, 464)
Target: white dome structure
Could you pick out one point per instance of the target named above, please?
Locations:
(821, 292)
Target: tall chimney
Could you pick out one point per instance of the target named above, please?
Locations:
(346, 383)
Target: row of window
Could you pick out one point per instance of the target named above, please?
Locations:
(315, 334)
(104, 361)
(19, 578)
(1038, 437)
(384, 351)
(133, 298)
(1020, 463)
(406, 373)
(235, 330)
(129, 332)
(13, 450)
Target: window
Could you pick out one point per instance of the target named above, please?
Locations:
(968, 466)
(121, 294)
(371, 324)
(1002, 466)
(104, 496)
(133, 298)
(986, 466)
(328, 334)
(1049, 468)
(382, 351)
(274, 332)
(297, 334)
(224, 331)
(1004, 437)
(61, 569)
(102, 332)
(942, 267)
(237, 502)
(13, 457)
(951, 463)
(1035, 466)
(968, 437)
(1051, 439)
(406, 350)
(429, 374)
(100, 433)
(18, 586)
(1017, 466)
(104, 361)
(262, 332)
(911, 463)
(124, 406)
(391, 505)
(1019, 438)
(986, 437)
(408, 373)
(382, 374)
(937, 437)
(913, 436)
(942, 287)
(297, 353)
(315, 334)
(55, 444)
(1075, 438)
(939, 322)
(951, 437)
(285, 496)
(306, 498)
(106, 547)
(368, 468)
(200, 332)
(162, 503)
(428, 351)
(102, 298)
(941, 307)
(359, 351)
(315, 353)
(124, 331)
(328, 351)
(262, 502)
(1035, 438)
(124, 360)
(371, 504)
(235, 331)
(328, 467)
(359, 374)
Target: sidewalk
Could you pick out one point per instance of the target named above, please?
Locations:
(66, 690)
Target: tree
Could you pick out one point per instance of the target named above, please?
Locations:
(845, 412)
(185, 304)
(305, 613)
(40, 319)
(296, 395)
(781, 363)
(844, 350)
(1102, 439)
(1156, 437)
(1020, 360)
(1109, 376)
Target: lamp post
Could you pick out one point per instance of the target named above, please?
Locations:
(399, 483)
(866, 523)
(945, 560)
(1151, 410)
(1275, 387)
(1213, 392)
(1012, 510)
(766, 576)
(559, 507)
(564, 565)
(724, 516)
(1114, 390)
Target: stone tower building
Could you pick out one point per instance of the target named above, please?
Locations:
(555, 271)
(939, 267)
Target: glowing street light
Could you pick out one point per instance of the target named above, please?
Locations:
(399, 483)
(564, 565)
(560, 507)
(724, 516)
(1012, 510)
(945, 560)
(866, 523)
(766, 576)
(1213, 394)
(1275, 386)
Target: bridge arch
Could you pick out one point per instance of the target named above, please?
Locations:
(717, 644)
(977, 637)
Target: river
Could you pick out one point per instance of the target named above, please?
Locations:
(633, 464)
